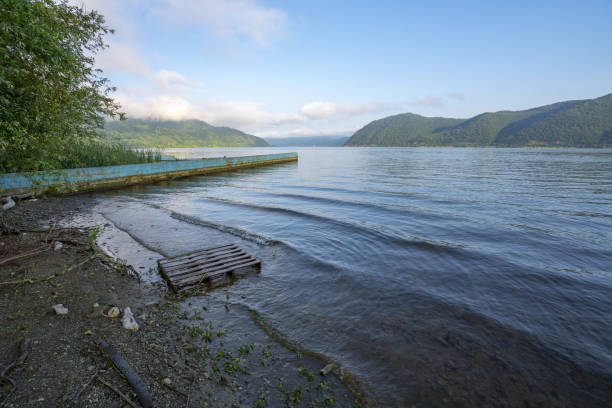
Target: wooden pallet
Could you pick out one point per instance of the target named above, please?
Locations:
(201, 266)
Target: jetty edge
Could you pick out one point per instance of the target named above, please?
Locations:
(108, 177)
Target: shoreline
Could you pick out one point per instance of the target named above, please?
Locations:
(211, 352)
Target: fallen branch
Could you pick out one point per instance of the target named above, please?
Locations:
(19, 282)
(72, 241)
(171, 388)
(190, 388)
(13, 388)
(23, 355)
(48, 234)
(23, 255)
(128, 372)
(122, 395)
(71, 267)
(93, 377)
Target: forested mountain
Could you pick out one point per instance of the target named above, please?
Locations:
(584, 123)
(334, 140)
(153, 133)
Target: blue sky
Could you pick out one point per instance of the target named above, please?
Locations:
(281, 68)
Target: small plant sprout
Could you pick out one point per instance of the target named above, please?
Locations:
(207, 334)
(296, 394)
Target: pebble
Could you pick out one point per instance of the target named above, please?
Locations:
(113, 312)
(60, 309)
(7, 203)
(167, 381)
(58, 246)
(90, 368)
(128, 320)
(325, 370)
(96, 305)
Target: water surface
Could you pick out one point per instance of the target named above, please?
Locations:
(433, 276)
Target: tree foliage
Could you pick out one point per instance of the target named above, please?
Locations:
(586, 123)
(51, 95)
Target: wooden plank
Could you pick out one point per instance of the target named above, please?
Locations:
(229, 267)
(199, 252)
(193, 282)
(204, 258)
(166, 278)
(204, 271)
(199, 266)
(209, 264)
(196, 252)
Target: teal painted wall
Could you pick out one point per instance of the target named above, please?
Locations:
(24, 181)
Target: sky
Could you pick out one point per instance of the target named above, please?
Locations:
(302, 68)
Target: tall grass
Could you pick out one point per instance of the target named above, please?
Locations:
(103, 153)
(83, 153)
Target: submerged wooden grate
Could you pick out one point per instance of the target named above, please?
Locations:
(197, 267)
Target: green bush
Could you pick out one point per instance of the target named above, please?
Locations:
(51, 96)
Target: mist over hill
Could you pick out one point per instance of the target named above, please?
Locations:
(581, 123)
(152, 133)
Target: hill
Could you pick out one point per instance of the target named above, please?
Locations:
(584, 123)
(153, 133)
(308, 141)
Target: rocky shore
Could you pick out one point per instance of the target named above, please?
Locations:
(210, 355)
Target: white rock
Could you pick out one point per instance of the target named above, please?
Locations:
(60, 309)
(58, 246)
(325, 370)
(96, 305)
(113, 312)
(128, 320)
(8, 203)
(167, 381)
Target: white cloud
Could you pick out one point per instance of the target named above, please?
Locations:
(228, 18)
(236, 114)
(124, 58)
(158, 106)
(169, 79)
(243, 114)
(328, 110)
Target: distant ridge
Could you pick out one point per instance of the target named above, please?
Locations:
(333, 140)
(152, 133)
(582, 123)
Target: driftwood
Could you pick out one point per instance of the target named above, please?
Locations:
(24, 351)
(93, 377)
(23, 255)
(23, 355)
(190, 389)
(128, 372)
(122, 395)
(76, 265)
(19, 282)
